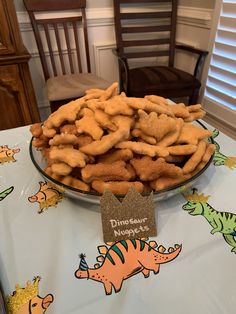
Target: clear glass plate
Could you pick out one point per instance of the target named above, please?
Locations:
(93, 197)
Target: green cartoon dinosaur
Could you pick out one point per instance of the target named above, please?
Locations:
(223, 222)
(219, 159)
(6, 192)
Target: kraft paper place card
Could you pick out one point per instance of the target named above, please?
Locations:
(131, 218)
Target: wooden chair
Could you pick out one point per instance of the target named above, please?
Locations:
(63, 47)
(147, 29)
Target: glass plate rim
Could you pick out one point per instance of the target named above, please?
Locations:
(94, 193)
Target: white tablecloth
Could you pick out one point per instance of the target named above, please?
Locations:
(201, 279)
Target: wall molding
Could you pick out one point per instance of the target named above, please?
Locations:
(199, 17)
(98, 49)
(220, 116)
(221, 126)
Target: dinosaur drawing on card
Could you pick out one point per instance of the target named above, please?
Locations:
(124, 259)
(223, 222)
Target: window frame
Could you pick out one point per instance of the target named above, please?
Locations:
(219, 116)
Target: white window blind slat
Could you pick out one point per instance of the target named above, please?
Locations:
(220, 94)
(221, 82)
(222, 86)
(227, 23)
(222, 49)
(229, 9)
(225, 36)
(225, 55)
(223, 62)
(222, 75)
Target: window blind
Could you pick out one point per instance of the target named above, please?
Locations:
(220, 93)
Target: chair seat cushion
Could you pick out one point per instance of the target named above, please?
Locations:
(71, 86)
(161, 79)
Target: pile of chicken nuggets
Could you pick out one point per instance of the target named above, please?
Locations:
(106, 140)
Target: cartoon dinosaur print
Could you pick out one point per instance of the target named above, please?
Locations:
(219, 159)
(6, 192)
(7, 154)
(47, 195)
(125, 259)
(223, 222)
(27, 301)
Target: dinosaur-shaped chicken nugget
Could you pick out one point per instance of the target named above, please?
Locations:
(194, 108)
(151, 125)
(187, 149)
(68, 129)
(79, 184)
(74, 182)
(148, 169)
(119, 188)
(157, 100)
(115, 155)
(117, 105)
(145, 104)
(108, 141)
(195, 115)
(191, 134)
(180, 110)
(84, 139)
(104, 120)
(39, 139)
(206, 157)
(71, 156)
(167, 182)
(195, 159)
(101, 94)
(63, 138)
(67, 112)
(61, 168)
(115, 171)
(144, 149)
(40, 142)
(89, 125)
(139, 134)
(112, 90)
(171, 137)
(36, 129)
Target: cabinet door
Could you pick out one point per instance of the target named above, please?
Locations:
(14, 111)
(6, 44)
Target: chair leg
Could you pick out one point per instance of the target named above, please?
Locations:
(194, 97)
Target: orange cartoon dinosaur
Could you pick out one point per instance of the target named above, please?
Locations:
(125, 259)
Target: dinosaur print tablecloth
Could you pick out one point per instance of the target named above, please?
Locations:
(53, 258)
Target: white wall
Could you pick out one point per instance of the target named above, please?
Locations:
(208, 4)
(193, 28)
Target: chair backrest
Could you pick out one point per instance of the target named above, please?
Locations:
(63, 47)
(145, 28)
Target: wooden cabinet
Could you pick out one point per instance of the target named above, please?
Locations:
(18, 104)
